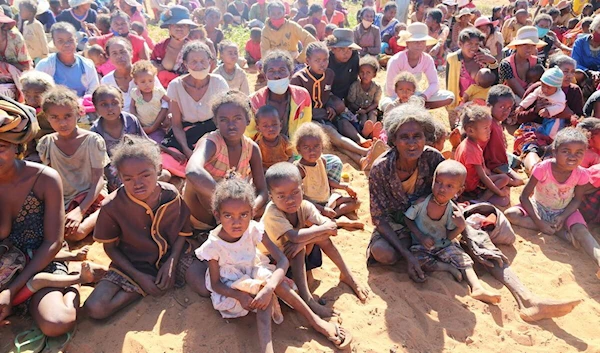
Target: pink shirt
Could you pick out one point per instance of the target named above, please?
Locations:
(399, 63)
(590, 158)
(552, 194)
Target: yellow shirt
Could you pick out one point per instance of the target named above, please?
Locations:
(285, 38)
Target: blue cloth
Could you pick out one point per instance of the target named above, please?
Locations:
(67, 16)
(47, 19)
(70, 76)
(583, 55)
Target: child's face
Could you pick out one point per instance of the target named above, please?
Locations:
(25, 13)
(119, 25)
(98, 59)
(286, 195)
(235, 216)
(144, 81)
(501, 110)
(439, 144)
(404, 90)
(318, 61)
(409, 141)
(548, 90)
(417, 47)
(521, 18)
(480, 131)
(446, 187)
(594, 141)
(269, 126)
(569, 155)
(33, 96)
(255, 38)
(109, 106)
(366, 73)
(310, 148)
(231, 120)
(342, 55)
(62, 118)
(212, 20)
(139, 178)
(229, 55)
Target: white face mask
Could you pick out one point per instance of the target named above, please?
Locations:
(366, 23)
(278, 86)
(199, 75)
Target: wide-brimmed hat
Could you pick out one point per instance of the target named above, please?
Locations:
(75, 3)
(134, 3)
(6, 21)
(553, 77)
(344, 38)
(563, 5)
(484, 20)
(462, 3)
(177, 15)
(463, 12)
(526, 35)
(449, 2)
(418, 32)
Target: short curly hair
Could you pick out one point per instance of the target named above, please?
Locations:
(106, 89)
(473, 113)
(369, 60)
(135, 147)
(39, 79)
(232, 97)
(61, 96)
(232, 189)
(196, 46)
(308, 130)
(278, 55)
(569, 135)
(589, 126)
(282, 171)
(143, 66)
(410, 112)
(405, 76)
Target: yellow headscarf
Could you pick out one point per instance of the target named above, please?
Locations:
(18, 122)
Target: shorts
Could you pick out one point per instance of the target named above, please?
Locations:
(452, 254)
(402, 232)
(548, 215)
(127, 284)
(312, 260)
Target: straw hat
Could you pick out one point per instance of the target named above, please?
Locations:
(484, 20)
(75, 3)
(418, 32)
(553, 77)
(463, 3)
(177, 15)
(449, 2)
(344, 38)
(463, 12)
(563, 5)
(526, 35)
(134, 3)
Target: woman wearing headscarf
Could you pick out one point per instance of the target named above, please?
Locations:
(14, 58)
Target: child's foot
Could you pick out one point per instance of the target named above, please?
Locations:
(454, 138)
(547, 308)
(348, 224)
(377, 129)
(456, 273)
(367, 129)
(91, 272)
(80, 254)
(485, 296)
(321, 310)
(598, 274)
(341, 338)
(375, 151)
(361, 292)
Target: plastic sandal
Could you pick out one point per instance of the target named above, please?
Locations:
(30, 341)
(58, 344)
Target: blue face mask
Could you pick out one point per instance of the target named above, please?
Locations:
(542, 32)
(117, 34)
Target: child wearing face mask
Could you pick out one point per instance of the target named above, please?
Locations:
(314, 18)
(367, 36)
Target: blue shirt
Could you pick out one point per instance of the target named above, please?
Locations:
(70, 76)
(67, 16)
(583, 54)
(47, 19)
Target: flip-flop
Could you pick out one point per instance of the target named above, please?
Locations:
(30, 341)
(376, 150)
(367, 129)
(377, 129)
(342, 338)
(58, 344)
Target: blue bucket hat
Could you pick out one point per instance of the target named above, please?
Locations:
(177, 15)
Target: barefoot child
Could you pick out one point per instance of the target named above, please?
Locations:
(148, 246)
(364, 95)
(149, 102)
(436, 222)
(550, 201)
(79, 157)
(297, 228)
(274, 146)
(309, 141)
(230, 70)
(480, 185)
(241, 279)
(500, 101)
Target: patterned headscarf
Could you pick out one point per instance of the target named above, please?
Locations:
(18, 122)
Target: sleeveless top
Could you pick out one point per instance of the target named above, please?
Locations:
(218, 165)
(27, 230)
(513, 66)
(315, 184)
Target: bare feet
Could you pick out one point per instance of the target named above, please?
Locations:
(367, 129)
(361, 291)
(348, 224)
(91, 272)
(80, 254)
(456, 273)
(485, 296)
(321, 310)
(547, 308)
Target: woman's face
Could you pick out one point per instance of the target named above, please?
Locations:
(526, 50)
(276, 70)
(342, 55)
(430, 22)
(64, 42)
(212, 19)
(8, 154)
(410, 141)
(330, 6)
(197, 61)
(470, 47)
(179, 32)
(543, 24)
(416, 47)
(390, 14)
(368, 15)
(485, 29)
(568, 72)
(119, 55)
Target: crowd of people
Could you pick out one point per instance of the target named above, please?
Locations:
(164, 153)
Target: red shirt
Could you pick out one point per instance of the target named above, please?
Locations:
(394, 45)
(494, 150)
(137, 44)
(253, 49)
(470, 154)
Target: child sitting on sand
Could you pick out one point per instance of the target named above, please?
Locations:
(405, 86)
(364, 95)
(79, 157)
(309, 141)
(297, 228)
(241, 279)
(480, 183)
(274, 146)
(550, 201)
(229, 69)
(34, 84)
(148, 246)
(478, 93)
(436, 222)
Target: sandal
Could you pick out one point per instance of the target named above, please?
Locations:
(376, 150)
(342, 338)
(30, 341)
(58, 344)
(377, 129)
(367, 129)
